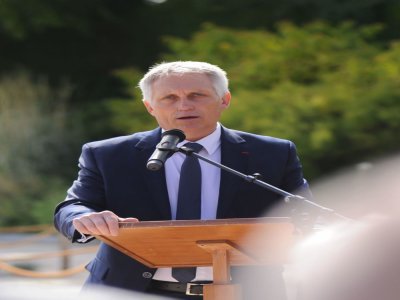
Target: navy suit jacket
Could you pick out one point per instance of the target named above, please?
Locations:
(113, 176)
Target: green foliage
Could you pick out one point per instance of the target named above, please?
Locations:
(37, 139)
(85, 42)
(129, 114)
(42, 210)
(330, 89)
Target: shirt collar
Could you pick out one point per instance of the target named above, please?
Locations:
(212, 141)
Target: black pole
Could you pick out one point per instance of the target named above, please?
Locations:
(254, 179)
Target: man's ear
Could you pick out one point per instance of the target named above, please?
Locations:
(148, 106)
(226, 99)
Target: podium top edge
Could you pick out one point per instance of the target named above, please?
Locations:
(182, 223)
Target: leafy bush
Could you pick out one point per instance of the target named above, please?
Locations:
(38, 137)
(330, 89)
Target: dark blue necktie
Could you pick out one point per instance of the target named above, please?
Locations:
(189, 202)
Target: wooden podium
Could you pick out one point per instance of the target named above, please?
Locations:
(218, 243)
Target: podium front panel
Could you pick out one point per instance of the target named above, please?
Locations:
(263, 241)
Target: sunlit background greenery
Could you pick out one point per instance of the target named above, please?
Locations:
(323, 73)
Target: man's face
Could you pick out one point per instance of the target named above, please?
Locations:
(188, 103)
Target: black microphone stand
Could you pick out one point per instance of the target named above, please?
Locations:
(288, 197)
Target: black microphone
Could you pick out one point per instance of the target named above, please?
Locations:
(165, 148)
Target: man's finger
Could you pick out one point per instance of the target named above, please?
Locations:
(128, 220)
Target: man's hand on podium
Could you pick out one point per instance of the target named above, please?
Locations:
(100, 223)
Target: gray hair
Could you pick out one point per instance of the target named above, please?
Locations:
(216, 74)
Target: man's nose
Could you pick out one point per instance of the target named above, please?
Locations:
(185, 104)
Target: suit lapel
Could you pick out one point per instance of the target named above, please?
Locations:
(234, 154)
(155, 180)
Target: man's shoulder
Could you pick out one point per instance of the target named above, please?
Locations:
(120, 141)
(243, 136)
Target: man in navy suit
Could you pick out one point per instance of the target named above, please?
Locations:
(115, 186)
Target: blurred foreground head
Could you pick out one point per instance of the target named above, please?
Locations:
(348, 260)
(358, 260)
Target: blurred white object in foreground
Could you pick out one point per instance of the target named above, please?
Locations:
(46, 290)
(358, 260)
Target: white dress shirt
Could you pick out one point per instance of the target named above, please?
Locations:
(210, 181)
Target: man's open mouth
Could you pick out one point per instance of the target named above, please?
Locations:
(187, 118)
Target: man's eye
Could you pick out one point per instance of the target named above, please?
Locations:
(170, 97)
(197, 95)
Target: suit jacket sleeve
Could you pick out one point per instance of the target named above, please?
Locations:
(85, 195)
(293, 180)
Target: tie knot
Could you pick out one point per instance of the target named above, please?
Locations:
(195, 146)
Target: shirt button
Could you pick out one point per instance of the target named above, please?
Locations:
(147, 275)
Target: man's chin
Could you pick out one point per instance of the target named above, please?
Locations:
(193, 133)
